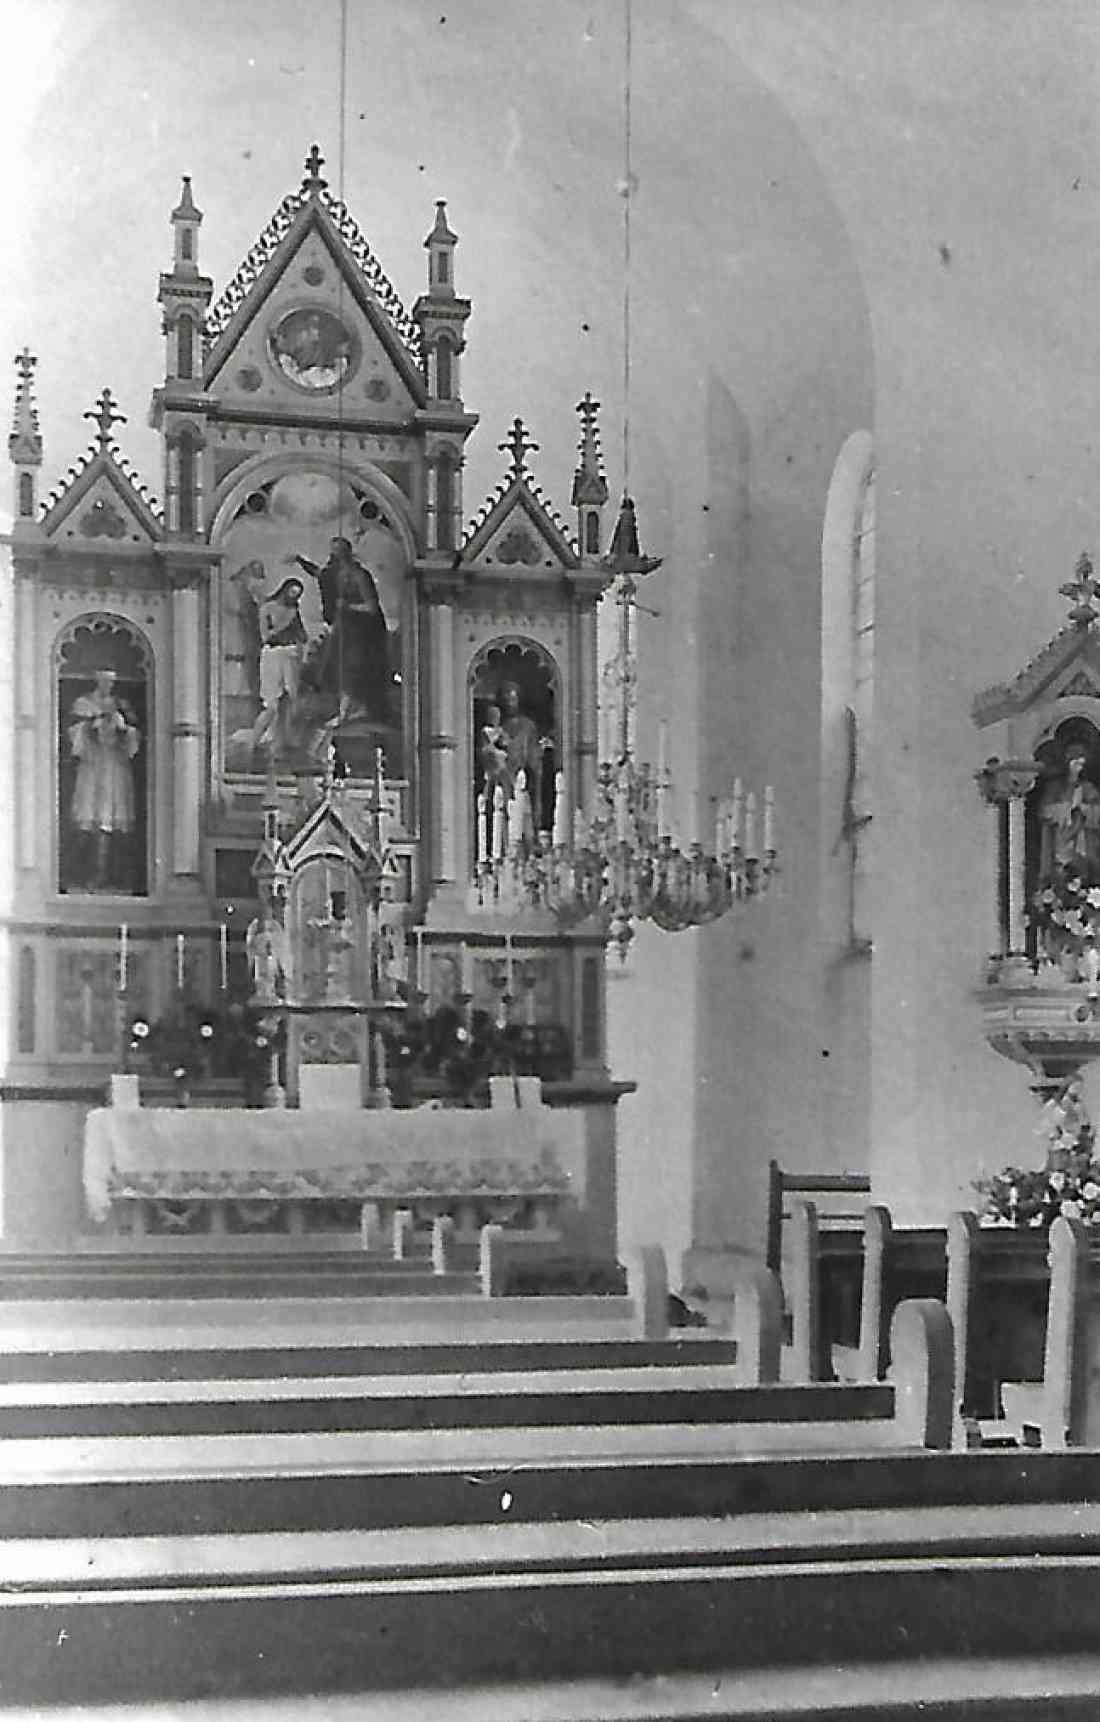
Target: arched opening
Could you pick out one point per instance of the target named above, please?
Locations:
(445, 501)
(515, 725)
(26, 496)
(1061, 825)
(187, 470)
(103, 740)
(444, 385)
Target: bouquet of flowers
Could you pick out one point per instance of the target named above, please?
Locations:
(1066, 911)
(1068, 1184)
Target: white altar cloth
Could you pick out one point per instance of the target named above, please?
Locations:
(197, 1153)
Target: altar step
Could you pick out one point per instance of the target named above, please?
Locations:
(210, 1274)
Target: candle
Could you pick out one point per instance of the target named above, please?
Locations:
(580, 829)
(499, 823)
(482, 831)
(223, 952)
(736, 811)
(508, 971)
(769, 820)
(420, 974)
(529, 981)
(559, 837)
(179, 960)
(721, 840)
(662, 753)
(467, 971)
(750, 827)
(123, 939)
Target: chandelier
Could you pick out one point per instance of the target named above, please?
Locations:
(621, 861)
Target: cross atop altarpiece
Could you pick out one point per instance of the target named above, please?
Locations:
(105, 416)
(519, 445)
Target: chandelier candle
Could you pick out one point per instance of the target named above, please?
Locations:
(180, 946)
(123, 942)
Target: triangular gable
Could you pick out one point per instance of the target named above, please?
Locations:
(325, 831)
(517, 533)
(101, 503)
(365, 287)
(1069, 664)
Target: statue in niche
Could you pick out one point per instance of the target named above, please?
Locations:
(523, 747)
(351, 663)
(1069, 822)
(104, 739)
(265, 944)
(492, 751)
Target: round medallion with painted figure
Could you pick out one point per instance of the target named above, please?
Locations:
(313, 349)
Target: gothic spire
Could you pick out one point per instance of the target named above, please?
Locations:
(589, 483)
(25, 441)
(625, 555)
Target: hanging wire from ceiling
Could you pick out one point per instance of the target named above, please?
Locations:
(627, 191)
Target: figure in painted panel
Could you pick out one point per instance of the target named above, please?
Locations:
(283, 637)
(1069, 815)
(104, 738)
(352, 664)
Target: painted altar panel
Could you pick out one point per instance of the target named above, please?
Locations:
(312, 600)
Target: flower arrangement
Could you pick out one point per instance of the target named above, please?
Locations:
(1068, 1184)
(190, 1043)
(1066, 912)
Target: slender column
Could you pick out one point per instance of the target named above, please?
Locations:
(993, 880)
(172, 488)
(1016, 932)
(27, 765)
(442, 744)
(186, 729)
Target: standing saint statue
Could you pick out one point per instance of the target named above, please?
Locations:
(1069, 817)
(104, 738)
(523, 748)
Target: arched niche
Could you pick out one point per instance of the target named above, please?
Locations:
(514, 692)
(103, 671)
(1075, 735)
(328, 933)
(341, 620)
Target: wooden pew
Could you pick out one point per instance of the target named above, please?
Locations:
(781, 1184)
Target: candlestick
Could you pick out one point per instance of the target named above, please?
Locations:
(180, 946)
(769, 820)
(223, 952)
(467, 970)
(123, 952)
(419, 937)
(721, 839)
(662, 753)
(529, 983)
(508, 969)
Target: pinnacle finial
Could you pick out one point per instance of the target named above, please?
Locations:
(25, 441)
(105, 417)
(518, 445)
(589, 483)
(185, 209)
(1082, 591)
(314, 180)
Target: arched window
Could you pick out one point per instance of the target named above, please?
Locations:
(26, 495)
(103, 701)
(187, 245)
(592, 533)
(187, 470)
(442, 270)
(185, 348)
(443, 370)
(445, 502)
(847, 689)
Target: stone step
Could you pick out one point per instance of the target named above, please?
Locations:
(501, 1400)
(187, 1618)
(222, 1276)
